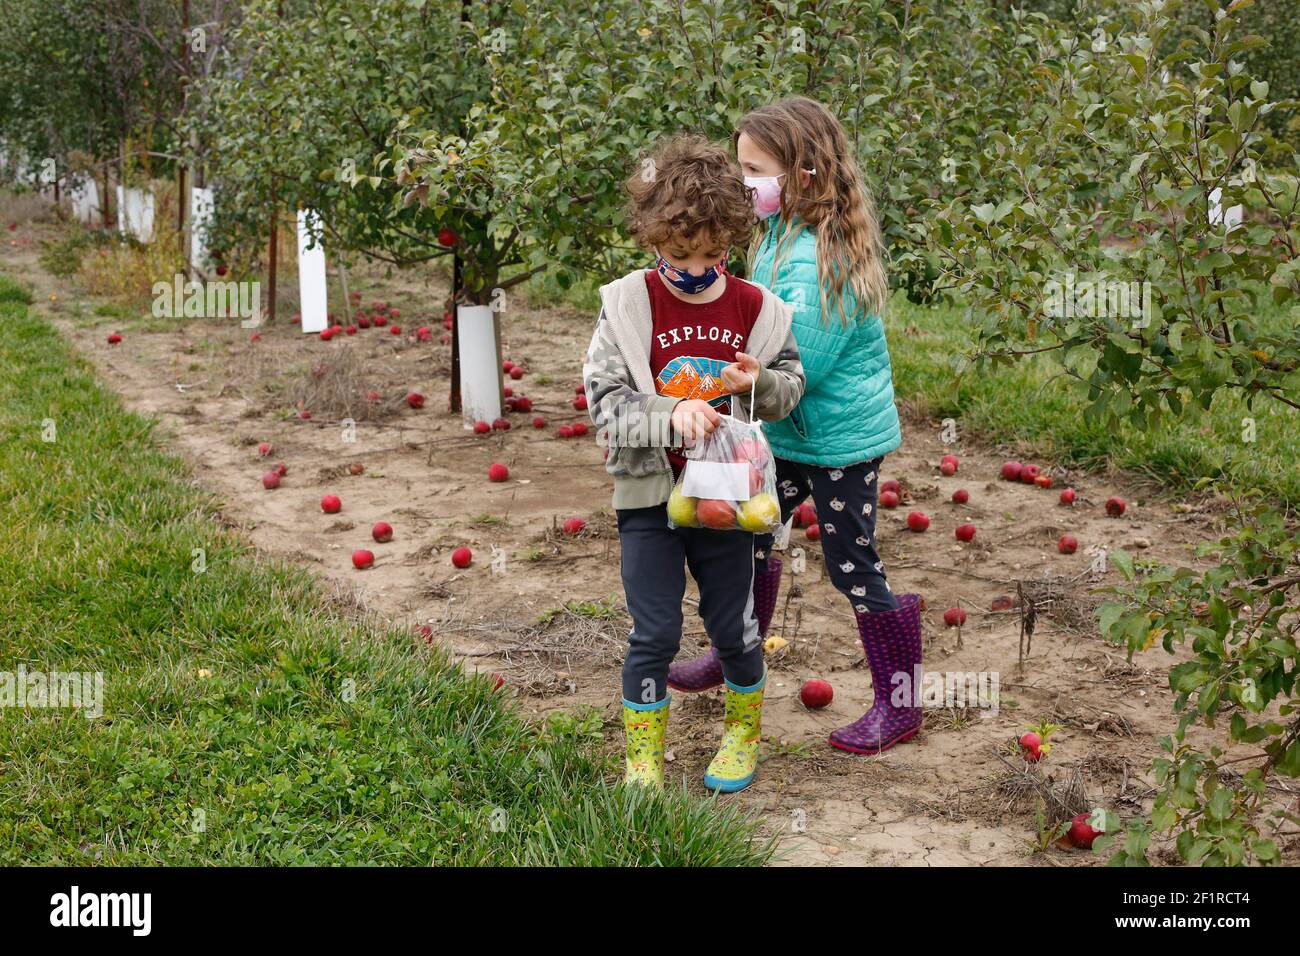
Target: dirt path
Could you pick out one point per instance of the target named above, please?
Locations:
(945, 798)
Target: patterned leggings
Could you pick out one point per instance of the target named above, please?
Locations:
(845, 499)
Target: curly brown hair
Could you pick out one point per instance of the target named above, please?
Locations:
(691, 189)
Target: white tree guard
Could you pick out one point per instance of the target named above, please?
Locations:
(480, 367)
(135, 211)
(84, 195)
(202, 204)
(312, 291)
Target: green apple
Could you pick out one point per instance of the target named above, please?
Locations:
(681, 509)
(760, 513)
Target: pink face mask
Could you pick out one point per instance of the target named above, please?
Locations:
(767, 194)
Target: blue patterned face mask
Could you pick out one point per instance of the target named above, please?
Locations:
(684, 282)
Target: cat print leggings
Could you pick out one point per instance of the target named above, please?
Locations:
(845, 499)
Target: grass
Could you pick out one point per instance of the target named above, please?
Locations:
(247, 719)
(1030, 408)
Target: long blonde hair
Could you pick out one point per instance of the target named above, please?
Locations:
(837, 204)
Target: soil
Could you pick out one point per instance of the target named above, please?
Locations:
(956, 795)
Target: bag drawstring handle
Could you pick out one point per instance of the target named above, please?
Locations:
(753, 387)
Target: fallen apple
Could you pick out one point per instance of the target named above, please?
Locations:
(539, 421)
(580, 402)
(523, 404)
(501, 424)
(1068, 544)
(961, 496)
(918, 521)
(482, 428)
(362, 559)
(265, 448)
(813, 532)
(1011, 471)
(965, 532)
(281, 469)
(815, 694)
(114, 338)
(382, 532)
(1029, 474)
(1082, 833)
(331, 505)
(462, 557)
(565, 431)
(498, 472)
(517, 373)
(1043, 481)
(1030, 744)
(1115, 506)
(891, 485)
(954, 617)
(415, 399)
(574, 525)
(579, 429)
(356, 468)
(948, 469)
(351, 330)
(1067, 496)
(395, 329)
(271, 480)
(889, 499)
(372, 396)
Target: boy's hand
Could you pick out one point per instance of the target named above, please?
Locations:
(742, 374)
(693, 419)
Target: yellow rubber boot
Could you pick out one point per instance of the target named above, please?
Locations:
(645, 726)
(733, 768)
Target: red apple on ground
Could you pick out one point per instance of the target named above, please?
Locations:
(351, 330)
(539, 421)
(954, 617)
(961, 496)
(891, 485)
(816, 694)
(524, 404)
(482, 428)
(415, 399)
(501, 424)
(498, 472)
(114, 338)
(382, 532)
(1043, 481)
(565, 431)
(1029, 474)
(581, 389)
(889, 499)
(1011, 470)
(574, 525)
(362, 559)
(363, 323)
(1029, 746)
(265, 449)
(517, 372)
(462, 557)
(715, 513)
(813, 532)
(331, 505)
(579, 429)
(918, 521)
(948, 469)
(379, 320)
(580, 402)
(271, 480)
(304, 415)
(372, 396)
(281, 469)
(965, 532)
(356, 468)
(1115, 506)
(1067, 496)
(1068, 544)
(808, 514)
(1082, 833)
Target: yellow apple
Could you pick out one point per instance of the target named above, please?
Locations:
(760, 513)
(681, 509)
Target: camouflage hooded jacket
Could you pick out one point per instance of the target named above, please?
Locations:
(634, 422)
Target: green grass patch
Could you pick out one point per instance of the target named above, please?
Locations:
(245, 719)
(1033, 407)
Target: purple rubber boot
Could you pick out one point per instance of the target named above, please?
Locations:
(892, 641)
(705, 671)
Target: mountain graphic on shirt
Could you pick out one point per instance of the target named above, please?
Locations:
(690, 376)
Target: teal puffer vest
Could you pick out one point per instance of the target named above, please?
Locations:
(847, 412)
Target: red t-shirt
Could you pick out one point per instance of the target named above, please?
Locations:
(691, 342)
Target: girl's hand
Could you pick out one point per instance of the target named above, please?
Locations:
(693, 419)
(742, 374)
